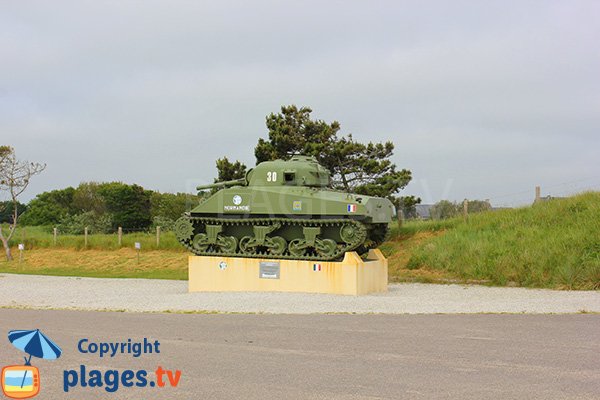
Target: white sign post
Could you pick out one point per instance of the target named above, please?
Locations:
(21, 248)
(138, 247)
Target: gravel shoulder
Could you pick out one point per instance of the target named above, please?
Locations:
(153, 295)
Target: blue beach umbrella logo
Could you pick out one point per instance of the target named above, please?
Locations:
(34, 343)
(19, 382)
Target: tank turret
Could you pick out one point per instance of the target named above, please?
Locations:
(284, 209)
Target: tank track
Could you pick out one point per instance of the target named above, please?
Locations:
(192, 230)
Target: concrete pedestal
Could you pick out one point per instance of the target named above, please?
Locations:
(353, 275)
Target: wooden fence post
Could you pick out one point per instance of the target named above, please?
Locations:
(55, 231)
(85, 233)
(465, 209)
(120, 236)
(538, 193)
(400, 216)
(157, 236)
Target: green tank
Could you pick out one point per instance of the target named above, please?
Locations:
(284, 209)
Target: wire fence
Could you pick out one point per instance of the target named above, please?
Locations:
(44, 237)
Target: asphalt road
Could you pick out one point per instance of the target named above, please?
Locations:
(327, 356)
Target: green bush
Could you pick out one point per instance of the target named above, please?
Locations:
(166, 224)
(76, 224)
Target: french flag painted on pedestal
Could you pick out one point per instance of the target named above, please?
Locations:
(351, 207)
(316, 267)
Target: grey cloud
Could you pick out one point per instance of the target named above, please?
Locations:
(482, 99)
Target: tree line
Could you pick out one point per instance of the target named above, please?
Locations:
(103, 207)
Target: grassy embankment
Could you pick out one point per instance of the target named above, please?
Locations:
(554, 244)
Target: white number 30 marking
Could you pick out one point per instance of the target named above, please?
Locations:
(272, 176)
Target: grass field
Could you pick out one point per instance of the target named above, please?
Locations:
(554, 244)
(122, 263)
(101, 258)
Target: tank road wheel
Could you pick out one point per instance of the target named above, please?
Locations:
(326, 247)
(278, 245)
(244, 245)
(200, 242)
(348, 233)
(297, 247)
(183, 229)
(228, 244)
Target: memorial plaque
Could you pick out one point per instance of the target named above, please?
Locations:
(269, 270)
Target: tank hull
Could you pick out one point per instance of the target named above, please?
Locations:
(295, 223)
(295, 201)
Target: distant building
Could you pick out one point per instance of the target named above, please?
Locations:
(423, 211)
(547, 198)
(539, 198)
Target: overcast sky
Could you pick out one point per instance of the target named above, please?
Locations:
(483, 100)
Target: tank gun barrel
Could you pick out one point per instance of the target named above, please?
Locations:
(241, 181)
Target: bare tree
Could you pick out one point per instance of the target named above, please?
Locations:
(14, 179)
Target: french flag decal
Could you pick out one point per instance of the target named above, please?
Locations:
(351, 207)
(316, 267)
